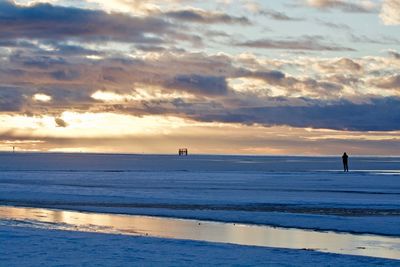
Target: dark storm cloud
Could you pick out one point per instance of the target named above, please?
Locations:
(206, 17)
(199, 84)
(378, 115)
(44, 21)
(311, 43)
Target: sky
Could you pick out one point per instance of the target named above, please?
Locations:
(299, 77)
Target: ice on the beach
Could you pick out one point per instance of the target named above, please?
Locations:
(306, 192)
(302, 192)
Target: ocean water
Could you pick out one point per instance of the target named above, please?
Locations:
(240, 234)
(191, 163)
(287, 191)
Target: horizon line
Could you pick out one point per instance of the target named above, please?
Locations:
(192, 154)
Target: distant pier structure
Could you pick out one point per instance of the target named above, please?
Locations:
(183, 152)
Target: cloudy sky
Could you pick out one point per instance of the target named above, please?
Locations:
(223, 76)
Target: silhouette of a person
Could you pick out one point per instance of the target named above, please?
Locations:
(345, 159)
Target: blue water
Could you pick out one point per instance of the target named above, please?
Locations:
(241, 234)
(127, 162)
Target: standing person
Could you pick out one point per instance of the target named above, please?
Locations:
(345, 159)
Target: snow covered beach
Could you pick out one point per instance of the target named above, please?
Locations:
(301, 192)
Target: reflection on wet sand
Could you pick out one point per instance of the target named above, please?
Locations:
(365, 245)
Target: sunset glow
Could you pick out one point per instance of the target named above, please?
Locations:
(225, 77)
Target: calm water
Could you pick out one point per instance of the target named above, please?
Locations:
(241, 234)
(125, 162)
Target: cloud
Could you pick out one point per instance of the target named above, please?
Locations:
(11, 99)
(65, 75)
(277, 15)
(333, 25)
(390, 14)
(60, 122)
(203, 87)
(258, 9)
(390, 82)
(198, 84)
(344, 5)
(140, 7)
(43, 62)
(44, 21)
(382, 40)
(348, 64)
(273, 77)
(206, 17)
(207, 138)
(394, 54)
(72, 50)
(311, 43)
(377, 115)
(133, 58)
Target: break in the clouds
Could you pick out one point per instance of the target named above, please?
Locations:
(219, 77)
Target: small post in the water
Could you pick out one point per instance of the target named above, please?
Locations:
(183, 152)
